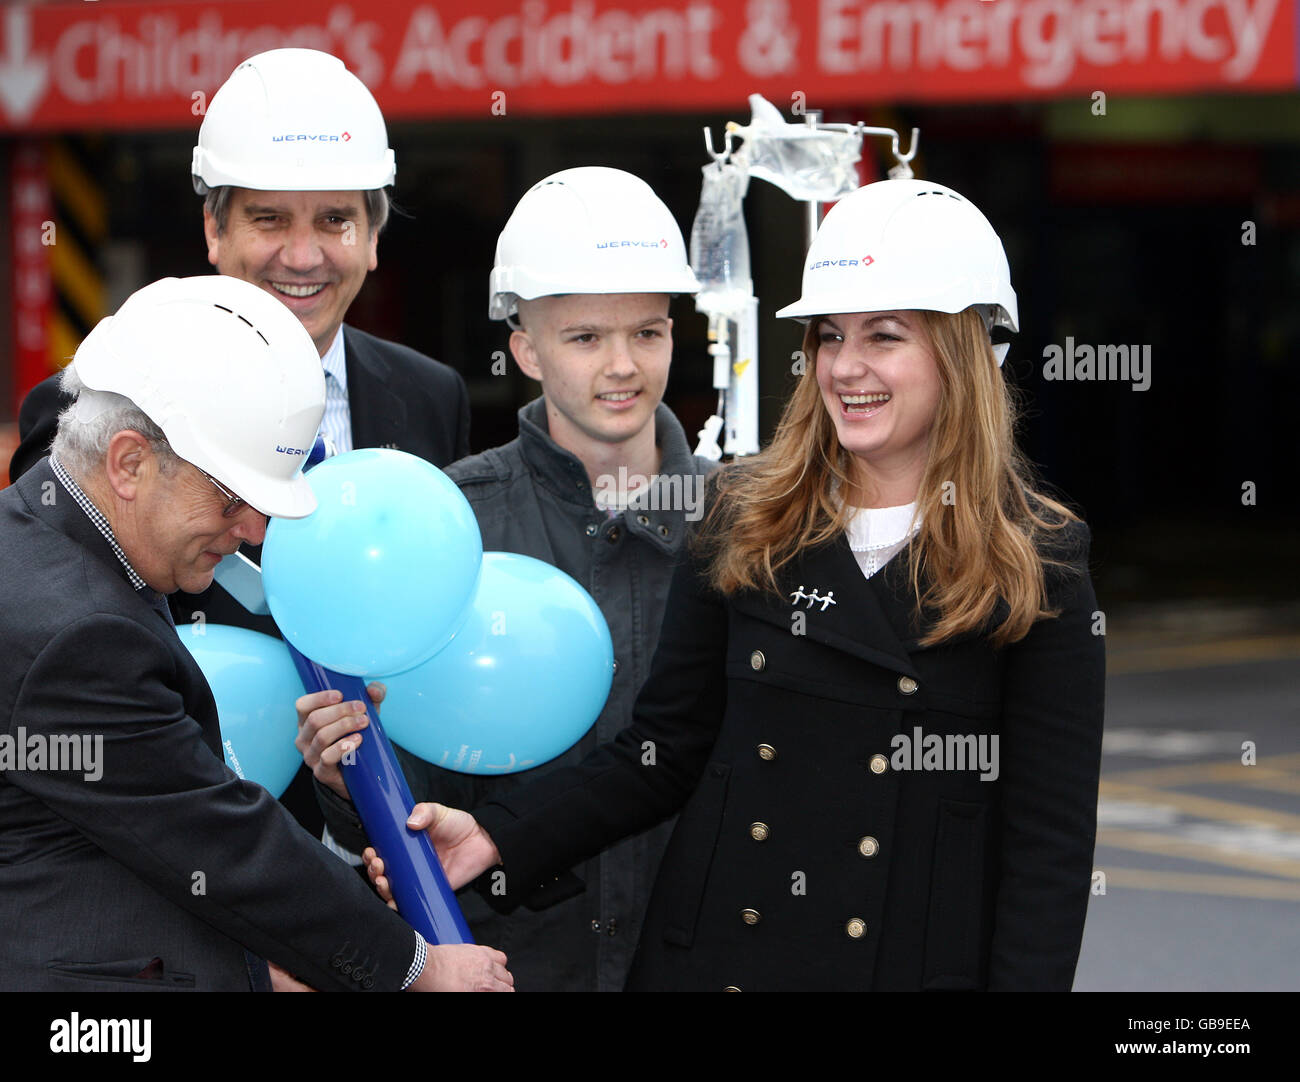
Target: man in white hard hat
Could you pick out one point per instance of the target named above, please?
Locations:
(602, 484)
(293, 162)
(134, 859)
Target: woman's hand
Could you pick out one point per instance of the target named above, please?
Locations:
(463, 847)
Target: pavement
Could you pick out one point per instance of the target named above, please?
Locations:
(1196, 883)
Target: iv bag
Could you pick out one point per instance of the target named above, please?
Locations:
(719, 243)
(806, 163)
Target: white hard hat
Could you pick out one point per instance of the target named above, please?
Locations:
(293, 120)
(228, 373)
(588, 230)
(907, 244)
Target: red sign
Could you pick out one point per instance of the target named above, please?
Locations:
(131, 65)
(32, 214)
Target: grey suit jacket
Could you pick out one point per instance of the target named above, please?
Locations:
(158, 873)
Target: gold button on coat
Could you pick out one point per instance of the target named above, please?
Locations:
(750, 916)
(868, 846)
(757, 661)
(855, 928)
(759, 831)
(879, 764)
(731, 988)
(907, 685)
(766, 752)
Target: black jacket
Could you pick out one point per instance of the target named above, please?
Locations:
(532, 497)
(156, 874)
(804, 858)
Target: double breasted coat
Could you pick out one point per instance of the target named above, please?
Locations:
(857, 811)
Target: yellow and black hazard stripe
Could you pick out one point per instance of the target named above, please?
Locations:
(81, 228)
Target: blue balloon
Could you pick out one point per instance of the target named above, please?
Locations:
(255, 683)
(377, 579)
(523, 679)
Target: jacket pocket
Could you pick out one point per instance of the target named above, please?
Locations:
(127, 975)
(690, 855)
(952, 941)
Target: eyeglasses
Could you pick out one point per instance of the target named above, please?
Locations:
(234, 504)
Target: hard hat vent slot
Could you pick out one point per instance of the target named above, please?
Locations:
(244, 321)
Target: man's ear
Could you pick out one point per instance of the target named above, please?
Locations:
(129, 460)
(374, 248)
(211, 236)
(521, 346)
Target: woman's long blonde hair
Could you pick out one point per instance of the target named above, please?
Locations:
(982, 523)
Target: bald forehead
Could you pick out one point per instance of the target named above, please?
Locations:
(600, 312)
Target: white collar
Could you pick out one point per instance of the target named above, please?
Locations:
(873, 528)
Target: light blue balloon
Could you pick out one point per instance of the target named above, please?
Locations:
(255, 684)
(377, 579)
(523, 679)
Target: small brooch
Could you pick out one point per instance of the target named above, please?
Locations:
(812, 598)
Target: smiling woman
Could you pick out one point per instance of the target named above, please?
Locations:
(880, 386)
(884, 568)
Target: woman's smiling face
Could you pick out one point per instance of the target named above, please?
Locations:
(880, 384)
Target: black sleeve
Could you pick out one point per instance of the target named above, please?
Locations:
(166, 805)
(641, 777)
(1053, 692)
(38, 419)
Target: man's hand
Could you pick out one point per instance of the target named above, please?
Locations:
(464, 967)
(463, 847)
(285, 982)
(327, 730)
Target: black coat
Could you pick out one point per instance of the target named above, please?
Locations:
(532, 497)
(804, 858)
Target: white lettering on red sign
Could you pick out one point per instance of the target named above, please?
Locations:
(559, 48)
(138, 64)
(1049, 37)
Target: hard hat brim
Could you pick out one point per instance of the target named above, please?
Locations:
(289, 499)
(209, 173)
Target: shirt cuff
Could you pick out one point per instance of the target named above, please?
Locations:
(417, 964)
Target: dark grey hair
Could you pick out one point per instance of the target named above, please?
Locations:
(217, 204)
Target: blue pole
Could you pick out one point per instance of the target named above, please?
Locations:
(383, 800)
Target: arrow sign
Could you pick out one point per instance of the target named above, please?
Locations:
(23, 77)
